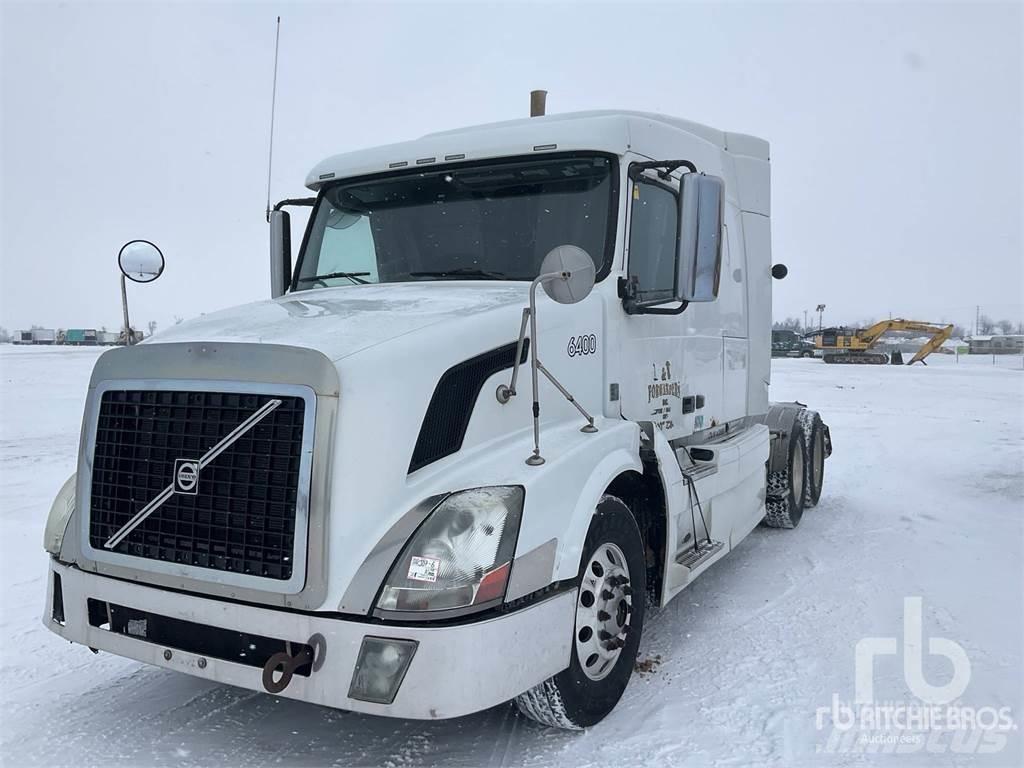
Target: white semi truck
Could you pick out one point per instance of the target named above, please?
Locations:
(513, 393)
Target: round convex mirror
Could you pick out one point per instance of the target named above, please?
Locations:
(579, 271)
(140, 261)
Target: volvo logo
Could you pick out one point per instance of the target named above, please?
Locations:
(186, 476)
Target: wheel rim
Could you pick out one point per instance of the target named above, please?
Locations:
(603, 611)
(796, 479)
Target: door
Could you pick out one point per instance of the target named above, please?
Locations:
(671, 369)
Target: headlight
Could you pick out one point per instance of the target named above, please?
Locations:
(460, 556)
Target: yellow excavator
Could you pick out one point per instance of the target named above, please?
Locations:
(853, 345)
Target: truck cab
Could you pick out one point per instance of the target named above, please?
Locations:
(510, 389)
(788, 343)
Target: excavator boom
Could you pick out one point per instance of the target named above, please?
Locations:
(855, 346)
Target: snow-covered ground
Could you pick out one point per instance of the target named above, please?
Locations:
(924, 497)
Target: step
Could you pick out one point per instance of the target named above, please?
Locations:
(691, 558)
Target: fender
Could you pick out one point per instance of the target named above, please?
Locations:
(551, 536)
(577, 466)
(619, 457)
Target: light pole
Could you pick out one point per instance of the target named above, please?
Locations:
(820, 310)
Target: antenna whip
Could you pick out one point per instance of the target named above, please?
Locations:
(273, 105)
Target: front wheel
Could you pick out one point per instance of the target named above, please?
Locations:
(609, 620)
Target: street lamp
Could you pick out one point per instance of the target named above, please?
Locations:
(820, 310)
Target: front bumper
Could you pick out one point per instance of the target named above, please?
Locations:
(455, 671)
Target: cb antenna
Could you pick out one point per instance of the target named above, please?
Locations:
(273, 105)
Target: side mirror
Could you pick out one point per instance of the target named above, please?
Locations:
(701, 199)
(140, 261)
(280, 252)
(575, 272)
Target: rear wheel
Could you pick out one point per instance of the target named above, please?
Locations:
(787, 488)
(609, 620)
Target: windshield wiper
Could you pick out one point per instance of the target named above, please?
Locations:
(355, 277)
(462, 272)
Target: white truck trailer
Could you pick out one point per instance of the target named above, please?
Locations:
(513, 393)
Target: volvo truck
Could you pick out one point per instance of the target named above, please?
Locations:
(509, 394)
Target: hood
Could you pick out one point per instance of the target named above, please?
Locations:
(342, 321)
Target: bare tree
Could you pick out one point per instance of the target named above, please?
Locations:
(178, 319)
(789, 324)
(985, 325)
(1005, 326)
(152, 327)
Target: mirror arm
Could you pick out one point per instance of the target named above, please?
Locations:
(651, 309)
(124, 305)
(505, 393)
(307, 202)
(627, 292)
(663, 167)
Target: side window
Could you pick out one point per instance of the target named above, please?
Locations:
(347, 246)
(652, 241)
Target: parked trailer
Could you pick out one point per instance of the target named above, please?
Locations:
(456, 489)
(39, 336)
(80, 337)
(107, 338)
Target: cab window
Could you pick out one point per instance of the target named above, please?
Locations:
(652, 241)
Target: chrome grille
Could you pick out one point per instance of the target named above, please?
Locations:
(241, 520)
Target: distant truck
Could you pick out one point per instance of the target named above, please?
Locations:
(412, 484)
(787, 343)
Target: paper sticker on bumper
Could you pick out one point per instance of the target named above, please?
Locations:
(423, 569)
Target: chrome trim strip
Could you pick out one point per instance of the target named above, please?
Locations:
(290, 586)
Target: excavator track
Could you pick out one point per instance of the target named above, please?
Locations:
(857, 358)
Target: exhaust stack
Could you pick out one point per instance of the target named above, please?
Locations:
(538, 101)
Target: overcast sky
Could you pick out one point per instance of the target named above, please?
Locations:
(896, 133)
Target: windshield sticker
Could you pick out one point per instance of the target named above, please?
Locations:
(423, 569)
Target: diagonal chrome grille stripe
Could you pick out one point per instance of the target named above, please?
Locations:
(164, 495)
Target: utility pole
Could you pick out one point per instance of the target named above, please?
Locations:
(977, 318)
(805, 321)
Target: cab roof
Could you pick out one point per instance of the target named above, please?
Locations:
(602, 131)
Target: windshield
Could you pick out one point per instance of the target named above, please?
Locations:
(482, 222)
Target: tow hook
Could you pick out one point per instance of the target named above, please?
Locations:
(313, 653)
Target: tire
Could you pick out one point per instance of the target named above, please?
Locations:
(814, 456)
(583, 695)
(787, 488)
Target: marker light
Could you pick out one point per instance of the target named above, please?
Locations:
(461, 556)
